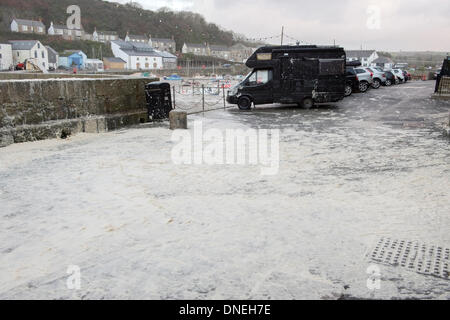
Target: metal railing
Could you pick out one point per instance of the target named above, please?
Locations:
(199, 98)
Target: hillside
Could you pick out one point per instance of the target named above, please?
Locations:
(108, 16)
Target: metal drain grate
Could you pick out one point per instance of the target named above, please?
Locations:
(413, 255)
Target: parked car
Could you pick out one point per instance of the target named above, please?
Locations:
(390, 78)
(365, 79)
(352, 81)
(379, 77)
(399, 74)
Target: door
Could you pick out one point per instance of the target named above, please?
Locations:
(260, 86)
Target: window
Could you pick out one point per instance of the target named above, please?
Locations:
(35, 54)
(39, 45)
(259, 77)
(43, 55)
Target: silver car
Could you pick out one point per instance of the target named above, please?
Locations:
(365, 79)
(379, 77)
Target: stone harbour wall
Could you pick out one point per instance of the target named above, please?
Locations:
(42, 109)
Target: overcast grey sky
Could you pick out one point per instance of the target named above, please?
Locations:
(402, 25)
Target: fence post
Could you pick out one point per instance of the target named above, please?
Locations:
(224, 101)
(203, 97)
(174, 101)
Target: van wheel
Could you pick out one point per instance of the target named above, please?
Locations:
(307, 103)
(244, 103)
(348, 90)
(363, 86)
(376, 84)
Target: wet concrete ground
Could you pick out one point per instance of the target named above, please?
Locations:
(376, 165)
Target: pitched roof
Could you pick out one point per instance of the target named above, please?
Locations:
(113, 59)
(23, 44)
(136, 48)
(137, 37)
(167, 55)
(196, 45)
(106, 33)
(214, 47)
(30, 23)
(359, 53)
(383, 60)
(163, 40)
(63, 27)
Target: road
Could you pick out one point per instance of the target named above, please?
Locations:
(139, 227)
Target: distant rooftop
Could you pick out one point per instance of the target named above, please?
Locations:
(113, 59)
(31, 23)
(23, 44)
(359, 53)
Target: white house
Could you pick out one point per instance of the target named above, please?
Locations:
(104, 36)
(136, 38)
(63, 31)
(383, 62)
(219, 51)
(366, 57)
(31, 51)
(6, 58)
(27, 26)
(138, 56)
(196, 48)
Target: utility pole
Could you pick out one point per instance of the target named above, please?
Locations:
(282, 34)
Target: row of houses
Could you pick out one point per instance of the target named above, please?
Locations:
(127, 56)
(236, 53)
(37, 27)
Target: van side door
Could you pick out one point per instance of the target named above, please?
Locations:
(260, 86)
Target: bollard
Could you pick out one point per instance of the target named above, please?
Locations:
(178, 119)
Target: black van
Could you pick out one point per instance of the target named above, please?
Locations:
(299, 75)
